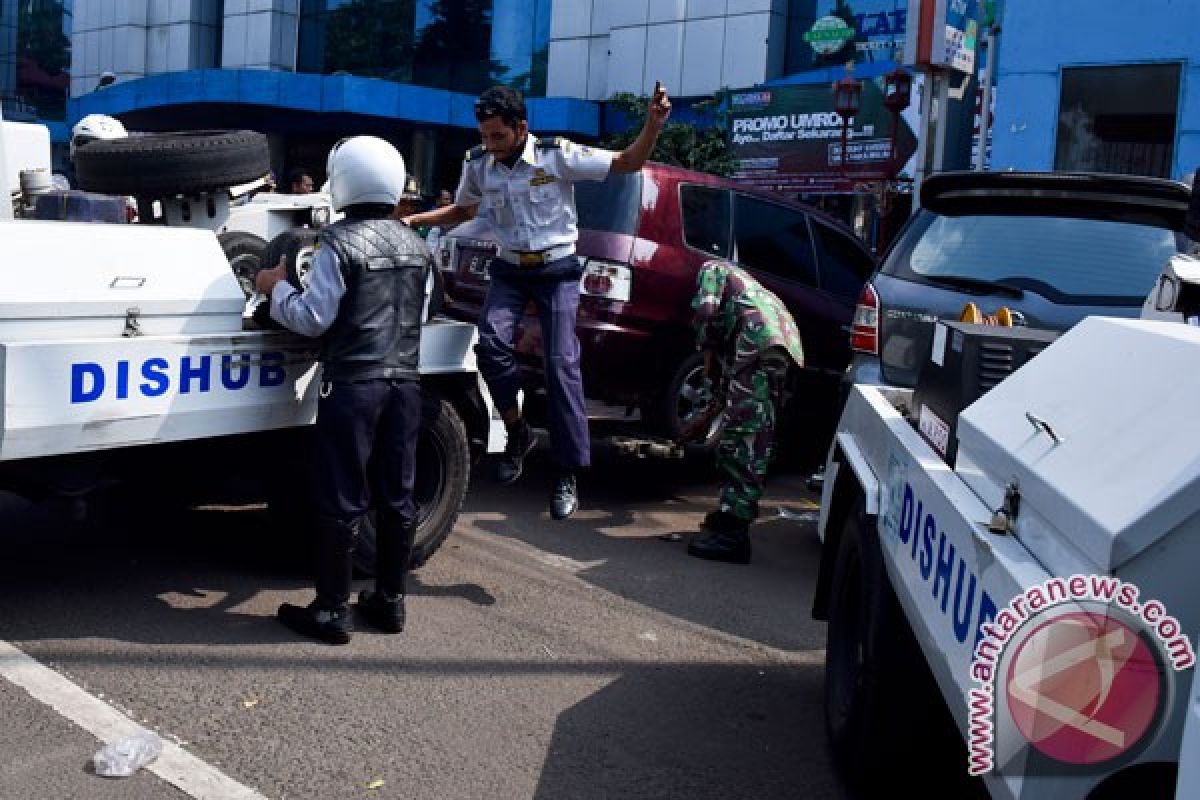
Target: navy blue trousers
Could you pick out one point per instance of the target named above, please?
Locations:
(554, 291)
(365, 449)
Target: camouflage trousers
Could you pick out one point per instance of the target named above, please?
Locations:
(755, 389)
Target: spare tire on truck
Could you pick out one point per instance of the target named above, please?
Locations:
(246, 255)
(167, 164)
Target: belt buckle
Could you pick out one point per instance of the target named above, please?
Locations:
(531, 259)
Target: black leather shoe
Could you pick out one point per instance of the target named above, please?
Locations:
(723, 537)
(564, 499)
(382, 612)
(520, 443)
(333, 627)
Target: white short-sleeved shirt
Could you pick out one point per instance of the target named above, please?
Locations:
(532, 205)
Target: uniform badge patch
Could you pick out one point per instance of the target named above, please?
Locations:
(541, 177)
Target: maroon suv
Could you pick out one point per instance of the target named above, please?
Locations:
(642, 239)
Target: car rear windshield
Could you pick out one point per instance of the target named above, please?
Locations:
(1068, 260)
(610, 205)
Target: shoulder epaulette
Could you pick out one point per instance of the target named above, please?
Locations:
(550, 143)
(475, 152)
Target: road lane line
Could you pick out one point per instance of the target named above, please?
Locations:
(176, 766)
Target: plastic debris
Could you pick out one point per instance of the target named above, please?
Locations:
(375, 784)
(250, 702)
(122, 758)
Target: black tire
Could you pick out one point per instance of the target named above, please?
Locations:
(166, 164)
(246, 254)
(295, 247)
(443, 474)
(883, 708)
(679, 401)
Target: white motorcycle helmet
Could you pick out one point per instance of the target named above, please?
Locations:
(93, 127)
(364, 169)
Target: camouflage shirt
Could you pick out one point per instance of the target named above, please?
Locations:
(739, 318)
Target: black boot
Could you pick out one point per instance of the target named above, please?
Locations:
(564, 498)
(520, 443)
(383, 609)
(327, 618)
(723, 537)
(322, 624)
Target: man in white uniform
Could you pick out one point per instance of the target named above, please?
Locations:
(524, 186)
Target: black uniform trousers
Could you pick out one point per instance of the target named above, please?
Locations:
(365, 457)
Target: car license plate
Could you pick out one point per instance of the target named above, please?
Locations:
(478, 265)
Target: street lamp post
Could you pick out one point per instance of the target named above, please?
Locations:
(897, 96)
(847, 99)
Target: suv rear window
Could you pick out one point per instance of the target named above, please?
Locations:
(610, 205)
(1068, 260)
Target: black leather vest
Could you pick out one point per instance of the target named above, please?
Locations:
(377, 332)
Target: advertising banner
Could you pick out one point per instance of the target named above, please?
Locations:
(789, 139)
(943, 33)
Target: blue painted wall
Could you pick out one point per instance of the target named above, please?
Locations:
(1042, 37)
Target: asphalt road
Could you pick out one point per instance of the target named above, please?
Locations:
(585, 659)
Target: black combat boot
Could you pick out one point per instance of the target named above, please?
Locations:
(383, 608)
(564, 498)
(327, 618)
(520, 443)
(723, 537)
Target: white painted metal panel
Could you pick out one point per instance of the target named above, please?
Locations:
(628, 13)
(627, 60)
(664, 56)
(567, 73)
(699, 9)
(92, 275)
(1120, 396)
(597, 68)
(745, 57)
(667, 11)
(703, 48)
(570, 19)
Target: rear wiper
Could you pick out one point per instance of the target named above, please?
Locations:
(978, 284)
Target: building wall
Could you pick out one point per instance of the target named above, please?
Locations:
(1040, 38)
(695, 47)
(260, 34)
(135, 38)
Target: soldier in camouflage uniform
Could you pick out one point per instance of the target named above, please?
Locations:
(747, 334)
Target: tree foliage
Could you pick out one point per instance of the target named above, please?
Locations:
(700, 147)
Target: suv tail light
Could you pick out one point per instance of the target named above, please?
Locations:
(606, 279)
(864, 335)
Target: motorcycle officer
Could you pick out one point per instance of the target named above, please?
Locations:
(365, 299)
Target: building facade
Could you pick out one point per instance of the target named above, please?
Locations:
(1099, 85)
(35, 58)
(695, 47)
(308, 72)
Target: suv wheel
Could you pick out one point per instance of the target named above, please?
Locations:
(683, 397)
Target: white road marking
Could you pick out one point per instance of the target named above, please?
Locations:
(176, 766)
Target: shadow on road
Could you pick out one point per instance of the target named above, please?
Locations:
(696, 732)
(630, 538)
(203, 570)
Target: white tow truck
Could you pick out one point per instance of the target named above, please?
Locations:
(1014, 595)
(127, 352)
